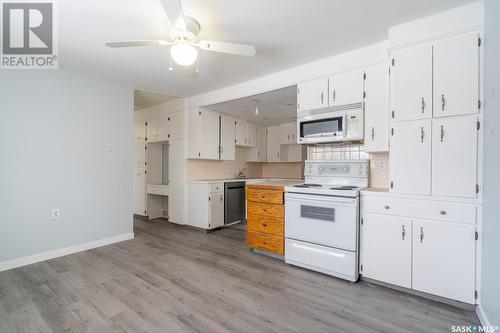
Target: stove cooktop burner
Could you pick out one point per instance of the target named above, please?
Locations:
(344, 188)
(307, 185)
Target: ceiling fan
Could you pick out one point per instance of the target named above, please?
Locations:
(183, 32)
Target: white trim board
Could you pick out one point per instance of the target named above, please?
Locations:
(482, 316)
(6, 265)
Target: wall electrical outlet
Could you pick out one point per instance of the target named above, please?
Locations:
(56, 214)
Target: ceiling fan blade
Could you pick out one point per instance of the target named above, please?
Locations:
(175, 15)
(132, 43)
(238, 49)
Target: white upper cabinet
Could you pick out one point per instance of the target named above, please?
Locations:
(273, 144)
(241, 132)
(377, 109)
(227, 138)
(312, 94)
(456, 79)
(203, 134)
(140, 131)
(288, 133)
(411, 83)
(258, 153)
(246, 133)
(454, 156)
(386, 249)
(175, 125)
(157, 129)
(251, 135)
(410, 157)
(444, 259)
(345, 88)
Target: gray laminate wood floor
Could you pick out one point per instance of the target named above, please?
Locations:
(174, 279)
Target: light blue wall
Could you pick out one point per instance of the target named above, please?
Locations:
(490, 294)
(54, 126)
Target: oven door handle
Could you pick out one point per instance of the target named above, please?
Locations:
(302, 198)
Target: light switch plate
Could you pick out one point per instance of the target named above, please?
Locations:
(56, 214)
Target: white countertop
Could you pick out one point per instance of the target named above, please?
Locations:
(247, 180)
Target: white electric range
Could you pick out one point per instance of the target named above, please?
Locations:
(322, 217)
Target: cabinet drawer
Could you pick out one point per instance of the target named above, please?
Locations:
(265, 242)
(266, 224)
(267, 196)
(216, 187)
(265, 209)
(432, 210)
(157, 190)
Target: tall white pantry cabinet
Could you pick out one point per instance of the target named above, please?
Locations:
(423, 233)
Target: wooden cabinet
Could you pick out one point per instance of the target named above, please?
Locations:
(345, 88)
(454, 156)
(273, 143)
(444, 259)
(203, 134)
(377, 109)
(227, 138)
(411, 83)
(266, 218)
(386, 249)
(456, 79)
(312, 94)
(410, 157)
(140, 131)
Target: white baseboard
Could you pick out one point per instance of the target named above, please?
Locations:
(482, 316)
(6, 265)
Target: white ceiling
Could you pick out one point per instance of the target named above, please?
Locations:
(144, 99)
(275, 107)
(286, 33)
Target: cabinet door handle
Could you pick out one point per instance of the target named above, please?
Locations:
(322, 98)
(422, 104)
(443, 212)
(403, 232)
(442, 133)
(443, 102)
(422, 134)
(334, 95)
(221, 198)
(387, 207)
(421, 234)
(373, 133)
(264, 224)
(288, 137)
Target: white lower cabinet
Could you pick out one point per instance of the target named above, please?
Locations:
(444, 259)
(208, 200)
(399, 247)
(386, 249)
(140, 191)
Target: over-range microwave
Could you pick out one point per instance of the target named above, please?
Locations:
(331, 125)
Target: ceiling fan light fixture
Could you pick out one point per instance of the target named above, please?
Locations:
(184, 54)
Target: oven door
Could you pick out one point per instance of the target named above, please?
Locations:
(324, 127)
(323, 220)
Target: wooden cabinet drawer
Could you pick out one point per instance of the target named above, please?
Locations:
(266, 224)
(265, 242)
(267, 196)
(265, 209)
(432, 210)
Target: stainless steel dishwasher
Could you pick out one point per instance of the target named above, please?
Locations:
(234, 202)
